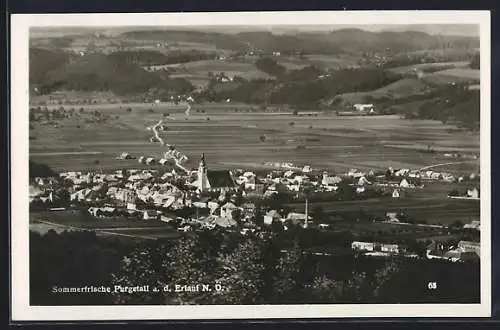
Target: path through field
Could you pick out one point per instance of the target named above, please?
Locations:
(445, 164)
(104, 231)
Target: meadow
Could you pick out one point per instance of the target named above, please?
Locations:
(79, 220)
(248, 139)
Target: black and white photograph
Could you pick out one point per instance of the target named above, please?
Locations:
(250, 165)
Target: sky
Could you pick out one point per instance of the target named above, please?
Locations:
(435, 29)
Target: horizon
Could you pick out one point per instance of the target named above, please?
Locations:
(457, 30)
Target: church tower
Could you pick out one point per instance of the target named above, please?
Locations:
(202, 181)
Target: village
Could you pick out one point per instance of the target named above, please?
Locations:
(205, 199)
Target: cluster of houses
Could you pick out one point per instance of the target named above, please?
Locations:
(218, 197)
(370, 108)
(471, 193)
(377, 249)
(464, 251)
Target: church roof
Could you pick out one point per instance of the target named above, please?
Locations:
(220, 178)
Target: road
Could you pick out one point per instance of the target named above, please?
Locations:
(444, 164)
(104, 231)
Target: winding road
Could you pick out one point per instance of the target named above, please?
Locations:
(444, 164)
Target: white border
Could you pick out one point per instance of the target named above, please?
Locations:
(21, 311)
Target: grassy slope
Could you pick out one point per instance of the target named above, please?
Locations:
(400, 88)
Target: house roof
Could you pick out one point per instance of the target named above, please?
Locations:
(273, 213)
(229, 205)
(225, 222)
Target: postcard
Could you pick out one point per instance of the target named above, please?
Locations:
(250, 165)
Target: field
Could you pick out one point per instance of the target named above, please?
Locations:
(430, 204)
(428, 67)
(120, 227)
(320, 61)
(235, 139)
(456, 75)
(400, 88)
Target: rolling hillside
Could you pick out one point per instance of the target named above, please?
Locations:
(399, 89)
(335, 42)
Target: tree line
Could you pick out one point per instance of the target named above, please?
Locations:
(251, 270)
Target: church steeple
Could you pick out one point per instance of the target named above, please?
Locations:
(202, 160)
(202, 181)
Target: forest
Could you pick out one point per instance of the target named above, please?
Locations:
(252, 270)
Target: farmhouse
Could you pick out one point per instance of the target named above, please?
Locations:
(330, 180)
(473, 193)
(475, 224)
(124, 155)
(271, 216)
(404, 184)
(363, 107)
(395, 194)
(150, 161)
(363, 246)
(467, 246)
(391, 248)
(150, 214)
(362, 181)
(227, 209)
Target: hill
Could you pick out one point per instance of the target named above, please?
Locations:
(335, 42)
(395, 90)
(100, 72)
(454, 75)
(42, 61)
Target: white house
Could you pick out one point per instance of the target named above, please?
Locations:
(395, 194)
(271, 216)
(391, 248)
(330, 180)
(475, 224)
(362, 181)
(150, 214)
(363, 107)
(150, 160)
(404, 184)
(473, 193)
(470, 247)
(227, 209)
(392, 216)
(363, 246)
(360, 189)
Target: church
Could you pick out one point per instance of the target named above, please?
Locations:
(213, 180)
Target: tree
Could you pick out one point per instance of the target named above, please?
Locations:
(317, 213)
(237, 215)
(240, 274)
(270, 66)
(457, 224)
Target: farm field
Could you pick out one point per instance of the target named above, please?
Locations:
(78, 220)
(428, 66)
(430, 204)
(320, 61)
(231, 139)
(400, 88)
(456, 75)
